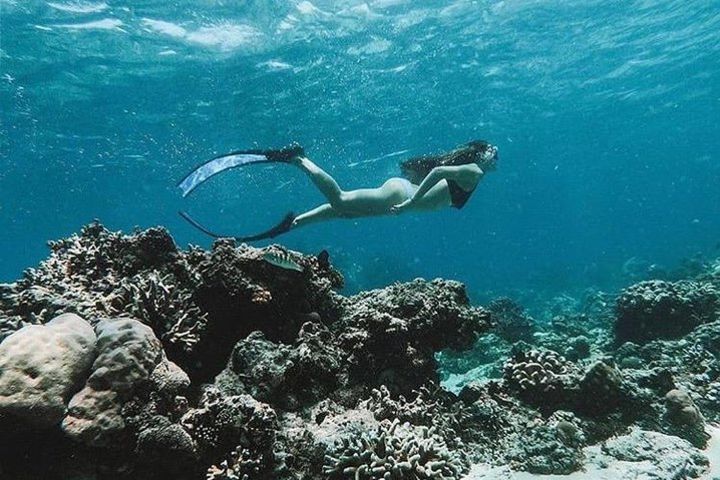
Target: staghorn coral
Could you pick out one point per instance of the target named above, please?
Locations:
(419, 410)
(458, 422)
(166, 307)
(394, 451)
(83, 271)
(658, 309)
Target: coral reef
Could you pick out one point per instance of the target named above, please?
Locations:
(184, 296)
(158, 302)
(682, 413)
(672, 457)
(550, 447)
(122, 356)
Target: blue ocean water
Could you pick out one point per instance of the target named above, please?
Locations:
(607, 116)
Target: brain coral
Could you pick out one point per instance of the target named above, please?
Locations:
(535, 374)
(128, 352)
(41, 367)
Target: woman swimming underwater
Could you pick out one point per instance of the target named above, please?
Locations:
(433, 182)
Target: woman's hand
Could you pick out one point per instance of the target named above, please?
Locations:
(401, 207)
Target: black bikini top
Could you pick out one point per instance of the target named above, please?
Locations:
(458, 196)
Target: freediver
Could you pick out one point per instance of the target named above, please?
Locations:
(432, 182)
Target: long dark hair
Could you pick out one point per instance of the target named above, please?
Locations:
(416, 169)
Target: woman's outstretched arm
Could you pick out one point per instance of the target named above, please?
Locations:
(459, 172)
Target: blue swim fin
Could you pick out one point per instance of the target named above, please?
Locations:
(236, 159)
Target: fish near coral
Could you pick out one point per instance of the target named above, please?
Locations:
(282, 260)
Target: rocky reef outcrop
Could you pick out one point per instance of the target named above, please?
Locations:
(122, 356)
(215, 363)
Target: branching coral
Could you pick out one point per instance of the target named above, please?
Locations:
(394, 451)
(85, 259)
(241, 464)
(454, 420)
(83, 270)
(418, 410)
(159, 302)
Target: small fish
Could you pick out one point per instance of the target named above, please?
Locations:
(282, 260)
(324, 259)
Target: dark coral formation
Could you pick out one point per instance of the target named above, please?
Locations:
(658, 309)
(157, 301)
(510, 319)
(392, 334)
(553, 446)
(199, 303)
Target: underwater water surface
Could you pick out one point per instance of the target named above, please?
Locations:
(606, 115)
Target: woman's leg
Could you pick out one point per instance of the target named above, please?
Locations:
(322, 180)
(318, 214)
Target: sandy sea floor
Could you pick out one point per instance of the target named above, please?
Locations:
(613, 470)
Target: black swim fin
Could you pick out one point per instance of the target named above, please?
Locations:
(284, 226)
(284, 154)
